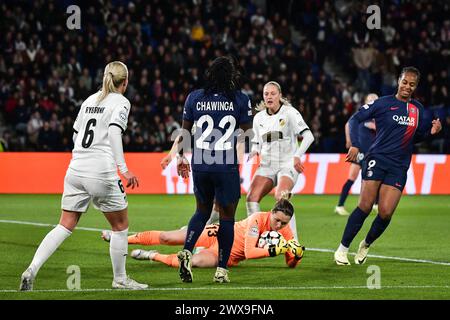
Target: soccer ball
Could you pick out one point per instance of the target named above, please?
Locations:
(268, 238)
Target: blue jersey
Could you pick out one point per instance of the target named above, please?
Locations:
(366, 137)
(216, 120)
(399, 125)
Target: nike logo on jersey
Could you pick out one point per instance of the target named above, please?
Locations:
(394, 108)
(125, 108)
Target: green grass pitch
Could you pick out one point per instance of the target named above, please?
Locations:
(420, 230)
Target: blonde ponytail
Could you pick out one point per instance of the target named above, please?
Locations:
(262, 105)
(115, 74)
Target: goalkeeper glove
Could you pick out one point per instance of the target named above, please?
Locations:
(295, 248)
(276, 249)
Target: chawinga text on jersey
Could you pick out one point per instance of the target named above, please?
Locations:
(214, 106)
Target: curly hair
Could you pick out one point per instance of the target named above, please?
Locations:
(223, 76)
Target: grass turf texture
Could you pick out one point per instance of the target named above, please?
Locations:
(419, 230)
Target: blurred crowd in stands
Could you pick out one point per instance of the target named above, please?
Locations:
(321, 52)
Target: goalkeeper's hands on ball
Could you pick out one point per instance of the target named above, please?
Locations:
(276, 249)
(295, 248)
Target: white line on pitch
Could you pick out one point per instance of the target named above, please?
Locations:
(237, 288)
(46, 225)
(307, 249)
(386, 257)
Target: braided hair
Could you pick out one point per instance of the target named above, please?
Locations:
(222, 76)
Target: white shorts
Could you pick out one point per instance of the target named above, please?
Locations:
(276, 173)
(106, 195)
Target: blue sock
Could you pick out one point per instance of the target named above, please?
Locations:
(225, 237)
(344, 193)
(354, 224)
(195, 229)
(377, 229)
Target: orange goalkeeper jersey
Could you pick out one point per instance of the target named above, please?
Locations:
(246, 235)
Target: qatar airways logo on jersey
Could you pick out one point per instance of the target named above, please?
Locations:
(404, 120)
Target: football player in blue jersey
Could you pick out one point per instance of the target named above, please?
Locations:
(216, 116)
(366, 135)
(400, 123)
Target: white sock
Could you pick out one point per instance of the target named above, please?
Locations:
(214, 218)
(252, 207)
(342, 248)
(48, 246)
(293, 226)
(118, 250)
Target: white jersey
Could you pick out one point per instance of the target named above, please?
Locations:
(92, 155)
(276, 135)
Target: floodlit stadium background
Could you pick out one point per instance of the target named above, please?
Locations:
(325, 58)
(325, 54)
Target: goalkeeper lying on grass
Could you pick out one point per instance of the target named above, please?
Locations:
(245, 246)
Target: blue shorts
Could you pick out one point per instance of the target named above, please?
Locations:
(224, 187)
(381, 169)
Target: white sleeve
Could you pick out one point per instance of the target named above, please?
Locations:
(256, 141)
(115, 140)
(78, 120)
(298, 124)
(308, 139)
(120, 116)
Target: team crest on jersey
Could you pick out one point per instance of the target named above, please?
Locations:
(122, 116)
(254, 231)
(282, 122)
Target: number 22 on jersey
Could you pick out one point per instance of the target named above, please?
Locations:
(222, 143)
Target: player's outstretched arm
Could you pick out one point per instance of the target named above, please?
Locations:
(425, 130)
(179, 145)
(183, 143)
(172, 153)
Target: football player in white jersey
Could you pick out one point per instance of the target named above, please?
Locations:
(92, 175)
(276, 127)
